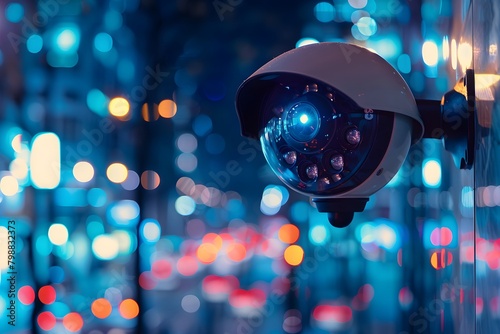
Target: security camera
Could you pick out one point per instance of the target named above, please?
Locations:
(336, 122)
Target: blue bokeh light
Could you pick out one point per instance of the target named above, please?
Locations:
(202, 125)
(67, 39)
(185, 205)
(124, 213)
(98, 102)
(97, 197)
(404, 63)
(34, 44)
(14, 12)
(103, 42)
(324, 12)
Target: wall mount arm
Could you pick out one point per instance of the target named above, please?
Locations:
(453, 120)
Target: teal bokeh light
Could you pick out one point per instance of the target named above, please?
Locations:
(103, 42)
(14, 12)
(34, 44)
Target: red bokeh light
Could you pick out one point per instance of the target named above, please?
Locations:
(46, 320)
(26, 295)
(187, 265)
(47, 294)
(441, 236)
(147, 281)
(240, 298)
(328, 313)
(161, 269)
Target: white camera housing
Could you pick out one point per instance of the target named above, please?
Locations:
(331, 97)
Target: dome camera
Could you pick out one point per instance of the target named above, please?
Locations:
(336, 122)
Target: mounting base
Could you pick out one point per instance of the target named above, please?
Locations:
(340, 210)
(453, 120)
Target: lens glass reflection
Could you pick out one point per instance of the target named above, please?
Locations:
(303, 122)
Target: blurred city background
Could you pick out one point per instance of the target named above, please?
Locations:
(139, 208)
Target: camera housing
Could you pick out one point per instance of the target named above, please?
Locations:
(335, 121)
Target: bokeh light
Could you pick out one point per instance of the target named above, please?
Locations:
(187, 266)
(58, 234)
(289, 233)
(358, 4)
(441, 236)
(67, 39)
(46, 320)
(202, 125)
(367, 26)
(103, 42)
(83, 171)
(45, 161)
(119, 107)
(98, 102)
(73, 322)
(34, 44)
(19, 169)
(150, 180)
(431, 173)
(47, 294)
(187, 162)
(26, 295)
(190, 303)
(324, 12)
(294, 255)
(97, 197)
(236, 252)
(9, 185)
(430, 53)
(132, 181)
(161, 269)
(129, 309)
(465, 55)
(14, 12)
(187, 143)
(147, 281)
(101, 308)
(207, 253)
(167, 108)
(105, 247)
(319, 235)
(117, 172)
(151, 230)
(185, 205)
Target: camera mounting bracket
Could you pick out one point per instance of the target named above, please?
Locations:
(453, 120)
(340, 210)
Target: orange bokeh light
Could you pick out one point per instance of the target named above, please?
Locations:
(206, 253)
(289, 233)
(294, 255)
(150, 180)
(167, 108)
(236, 252)
(73, 322)
(101, 308)
(441, 259)
(129, 309)
(214, 239)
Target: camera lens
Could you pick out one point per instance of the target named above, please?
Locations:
(302, 122)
